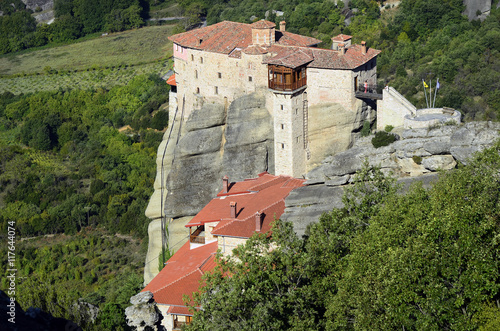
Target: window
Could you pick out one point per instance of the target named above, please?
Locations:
(282, 146)
(197, 90)
(192, 57)
(296, 111)
(176, 47)
(298, 139)
(196, 74)
(201, 60)
(282, 126)
(281, 107)
(216, 90)
(219, 75)
(250, 78)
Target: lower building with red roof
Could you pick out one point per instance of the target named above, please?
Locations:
(239, 210)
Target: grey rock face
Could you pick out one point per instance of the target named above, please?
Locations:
(212, 115)
(143, 312)
(439, 148)
(143, 297)
(473, 6)
(238, 144)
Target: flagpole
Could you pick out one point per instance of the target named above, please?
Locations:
(435, 92)
(430, 95)
(425, 92)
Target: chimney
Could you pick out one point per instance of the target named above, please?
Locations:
(225, 184)
(258, 221)
(282, 26)
(363, 47)
(232, 204)
(342, 48)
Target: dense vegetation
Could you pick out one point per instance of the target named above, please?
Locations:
(66, 168)
(87, 278)
(74, 19)
(428, 259)
(79, 170)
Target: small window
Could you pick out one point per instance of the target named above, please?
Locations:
(176, 47)
(219, 75)
(197, 90)
(298, 139)
(201, 60)
(281, 107)
(250, 78)
(282, 126)
(216, 90)
(196, 74)
(192, 57)
(282, 146)
(296, 111)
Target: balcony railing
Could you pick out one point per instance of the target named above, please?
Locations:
(371, 92)
(282, 86)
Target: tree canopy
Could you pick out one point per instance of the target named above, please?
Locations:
(424, 259)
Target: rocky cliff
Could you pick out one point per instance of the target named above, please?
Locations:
(418, 155)
(215, 141)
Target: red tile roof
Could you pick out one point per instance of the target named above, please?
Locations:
(294, 57)
(177, 310)
(265, 194)
(224, 37)
(182, 274)
(341, 37)
(171, 80)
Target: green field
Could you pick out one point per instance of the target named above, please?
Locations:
(104, 61)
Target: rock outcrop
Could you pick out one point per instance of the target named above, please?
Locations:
(237, 143)
(477, 9)
(214, 141)
(418, 155)
(143, 314)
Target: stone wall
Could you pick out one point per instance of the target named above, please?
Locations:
(392, 109)
(205, 77)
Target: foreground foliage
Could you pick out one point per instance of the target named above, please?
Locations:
(87, 278)
(427, 259)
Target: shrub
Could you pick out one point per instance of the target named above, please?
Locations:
(383, 138)
(388, 128)
(365, 131)
(417, 159)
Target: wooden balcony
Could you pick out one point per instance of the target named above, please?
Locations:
(286, 79)
(290, 86)
(198, 236)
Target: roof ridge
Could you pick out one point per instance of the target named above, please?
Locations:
(263, 209)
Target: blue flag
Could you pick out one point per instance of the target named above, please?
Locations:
(437, 85)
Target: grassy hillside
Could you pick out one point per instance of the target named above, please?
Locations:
(106, 61)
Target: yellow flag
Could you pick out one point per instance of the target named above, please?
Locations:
(425, 85)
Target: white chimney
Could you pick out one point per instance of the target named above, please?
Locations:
(363, 47)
